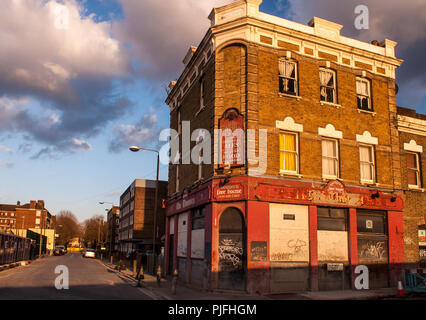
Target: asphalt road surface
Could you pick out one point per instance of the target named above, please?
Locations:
(88, 279)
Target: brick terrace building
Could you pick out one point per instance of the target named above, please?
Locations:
(31, 215)
(332, 195)
(113, 223)
(136, 217)
(412, 133)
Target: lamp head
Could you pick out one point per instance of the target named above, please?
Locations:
(134, 148)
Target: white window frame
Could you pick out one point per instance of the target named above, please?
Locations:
(372, 164)
(334, 85)
(370, 107)
(296, 80)
(418, 175)
(337, 160)
(296, 153)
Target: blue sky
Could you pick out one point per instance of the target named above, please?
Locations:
(73, 100)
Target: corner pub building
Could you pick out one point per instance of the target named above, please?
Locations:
(331, 196)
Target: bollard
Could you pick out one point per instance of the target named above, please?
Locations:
(174, 281)
(135, 268)
(140, 275)
(158, 275)
(112, 259)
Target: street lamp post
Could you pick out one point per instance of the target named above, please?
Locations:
(154, 238)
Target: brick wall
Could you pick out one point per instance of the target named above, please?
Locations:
(257, 95)
(415, 201)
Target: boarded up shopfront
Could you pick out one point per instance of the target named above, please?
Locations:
(197, 246)
(182, 243)
(373, 246)
(289, 245)
(333, 260)
(232, 250)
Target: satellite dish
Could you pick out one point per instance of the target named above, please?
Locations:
(396, 88)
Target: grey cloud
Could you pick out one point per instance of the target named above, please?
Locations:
(401, 21)
(73, 75)
(143, 133)
(160, 32)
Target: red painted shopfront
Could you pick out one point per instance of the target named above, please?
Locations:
(273, 235)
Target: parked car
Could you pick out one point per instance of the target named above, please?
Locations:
(89, 253)
(58, 252)
(82, 251)
(62, 248)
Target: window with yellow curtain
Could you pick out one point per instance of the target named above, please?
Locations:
(288, 152)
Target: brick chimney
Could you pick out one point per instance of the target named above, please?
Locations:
(40, 203)
(32, 204)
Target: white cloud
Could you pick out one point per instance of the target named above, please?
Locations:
(38, 56)
(6, 149)
(81, 145)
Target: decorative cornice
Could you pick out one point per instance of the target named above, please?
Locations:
(411, 125)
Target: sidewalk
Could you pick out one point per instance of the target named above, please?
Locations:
(183, 292)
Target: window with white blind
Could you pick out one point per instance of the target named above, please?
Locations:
(330, 158)
(328, 85)
(363, 93)
(413, 170)
(287, 77)
(366, 159)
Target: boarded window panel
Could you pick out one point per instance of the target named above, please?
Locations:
(332, 219)
(369, 221)
(197, 243)
(182, 235)
(289, 239)
(371, 250)
(332, 246)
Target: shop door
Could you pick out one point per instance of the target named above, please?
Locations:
(171, 253)
(373, 246)
(232, 250)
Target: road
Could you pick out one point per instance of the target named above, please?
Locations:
(88, 279)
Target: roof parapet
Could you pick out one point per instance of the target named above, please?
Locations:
(235, 10)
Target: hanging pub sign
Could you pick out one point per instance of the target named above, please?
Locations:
(231, 138)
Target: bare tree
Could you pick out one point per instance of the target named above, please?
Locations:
(94, 231)
(67, 227)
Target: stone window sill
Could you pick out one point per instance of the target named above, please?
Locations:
(282, 94)
(328, 178)
(368, 112)
(369, 183)
(415, 188)
(336, 105)
(290, 174)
